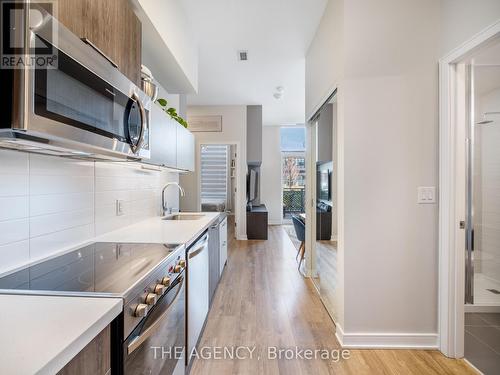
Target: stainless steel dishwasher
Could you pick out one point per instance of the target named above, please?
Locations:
(197, 287)
(217, 250)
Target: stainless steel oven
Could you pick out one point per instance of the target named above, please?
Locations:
(157, 344)
(80, 104)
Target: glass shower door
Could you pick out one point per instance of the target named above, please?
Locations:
(483, 188)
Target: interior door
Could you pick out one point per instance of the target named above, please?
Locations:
(321, 216)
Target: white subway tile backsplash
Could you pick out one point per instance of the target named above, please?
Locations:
(54, 203)
(48, 204)
(14, 255)
(12, 208)
(60, 184)
(57, 166)
(14, 185)
(49, 244)
(103, 198)
(107, 224)
(114, 183)
(14, 231)
(13, 162)
(45, 224)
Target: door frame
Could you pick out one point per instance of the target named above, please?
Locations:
(310, 198)
(452, 192)
(239, 198)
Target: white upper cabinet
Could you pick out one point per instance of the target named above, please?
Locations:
(185, 149)
(163, 138)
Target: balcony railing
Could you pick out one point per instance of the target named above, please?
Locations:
(293, 200)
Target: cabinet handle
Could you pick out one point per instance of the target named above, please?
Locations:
(111, 61)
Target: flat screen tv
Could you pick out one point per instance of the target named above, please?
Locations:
(252, 185)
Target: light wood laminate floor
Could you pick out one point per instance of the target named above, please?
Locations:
(262, 301)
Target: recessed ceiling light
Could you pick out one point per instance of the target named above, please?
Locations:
(242, 55)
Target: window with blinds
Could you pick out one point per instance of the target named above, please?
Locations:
(214, 177)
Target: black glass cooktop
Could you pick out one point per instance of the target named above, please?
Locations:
(96, 268)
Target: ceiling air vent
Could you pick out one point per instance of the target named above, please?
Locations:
(242, 55)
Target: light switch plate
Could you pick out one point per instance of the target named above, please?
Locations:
(119, 208)
(426, 194)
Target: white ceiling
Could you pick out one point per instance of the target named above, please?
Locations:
(276, 34)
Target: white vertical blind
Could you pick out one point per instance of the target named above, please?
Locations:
(214, 173)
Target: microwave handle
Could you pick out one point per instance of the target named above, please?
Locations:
(89, 42)
(136, 342)
(144, 123)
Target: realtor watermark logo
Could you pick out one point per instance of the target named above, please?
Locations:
(251, 352)
(28, 35)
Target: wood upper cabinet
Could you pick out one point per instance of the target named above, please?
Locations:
(111, 26)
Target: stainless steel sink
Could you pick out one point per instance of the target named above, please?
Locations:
(183, 217)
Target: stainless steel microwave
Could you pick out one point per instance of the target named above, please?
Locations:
(81, 105)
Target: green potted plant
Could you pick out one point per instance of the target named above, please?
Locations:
(171, 112)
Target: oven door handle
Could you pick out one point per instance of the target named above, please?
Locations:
(136, 342)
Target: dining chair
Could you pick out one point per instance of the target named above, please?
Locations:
(300, 232)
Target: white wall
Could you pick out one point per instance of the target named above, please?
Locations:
(390, 148)
(462, 19)
(387, 147)
(234, 120)
(324, 62)
(271, 184)
(48, 204)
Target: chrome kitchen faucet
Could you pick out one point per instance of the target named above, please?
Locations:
(164, 205)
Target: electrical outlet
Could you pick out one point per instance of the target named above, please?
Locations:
(426, 194)
(119, 207)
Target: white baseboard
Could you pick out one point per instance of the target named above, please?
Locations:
(242, 238)
(387, 340)
(275, 222)
(473, 367)
(482, 308)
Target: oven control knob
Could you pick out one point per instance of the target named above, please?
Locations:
(178, 268)
(182, 263)
(160, 289)
(141, 310)
(165, 281)
(150, 299)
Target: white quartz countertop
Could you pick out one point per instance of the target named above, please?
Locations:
(156, 230)
(41, 334)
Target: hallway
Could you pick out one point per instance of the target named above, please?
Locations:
(262, 301)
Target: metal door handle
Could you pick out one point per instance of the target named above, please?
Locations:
(136, 342)
(89, 42)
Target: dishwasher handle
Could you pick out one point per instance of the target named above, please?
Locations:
(198, 247)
